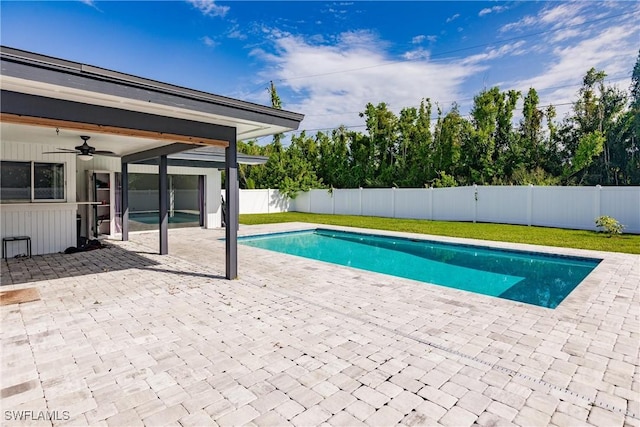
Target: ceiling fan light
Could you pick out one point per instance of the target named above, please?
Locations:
(85, 157)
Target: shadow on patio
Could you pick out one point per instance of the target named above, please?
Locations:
(56, 266)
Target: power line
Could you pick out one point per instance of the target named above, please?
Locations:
(496, 43)
(459, 101)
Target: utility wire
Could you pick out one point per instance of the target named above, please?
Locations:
(496, 43)
(459, 101)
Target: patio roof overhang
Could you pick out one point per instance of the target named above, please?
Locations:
(138, 119)
(205, 157)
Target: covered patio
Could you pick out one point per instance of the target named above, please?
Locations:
(48, 103)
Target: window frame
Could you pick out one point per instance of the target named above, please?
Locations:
(32, 187)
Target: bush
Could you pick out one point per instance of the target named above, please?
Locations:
(609, 225)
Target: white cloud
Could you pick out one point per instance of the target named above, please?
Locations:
(494, 9)
(512, 49)
(235, 33)
(330, 79)
(452, 18)
(90, 3)
(556, 16)
(209, 41)
(421, 38)
(527, 21)
(416, 54)
(209, 7)
(332, 83)
(613, 48)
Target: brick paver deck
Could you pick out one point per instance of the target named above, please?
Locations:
(125, 337)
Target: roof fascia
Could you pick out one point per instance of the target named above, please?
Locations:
(40, 68)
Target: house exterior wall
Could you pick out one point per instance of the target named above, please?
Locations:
(51, 225)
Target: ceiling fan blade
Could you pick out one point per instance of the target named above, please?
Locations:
(105, 153)
(68, 150)
(61, 152)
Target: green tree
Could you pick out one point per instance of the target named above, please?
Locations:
(452, 132)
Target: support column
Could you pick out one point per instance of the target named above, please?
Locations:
(124, 177)
(163, 190)
(232, 197)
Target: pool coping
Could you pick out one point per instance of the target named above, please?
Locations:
(572, 304)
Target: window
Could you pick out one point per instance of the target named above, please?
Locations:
(31, 181)
(48, 181)
(15, 181)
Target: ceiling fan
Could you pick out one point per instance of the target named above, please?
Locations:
(84, 151)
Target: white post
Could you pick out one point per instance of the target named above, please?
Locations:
(431, 203)
(475, 203)
(529, 205)
(333, 201)
(360, 201)
(393, 202)
(172, 197)
(268, 200)
(596, 202)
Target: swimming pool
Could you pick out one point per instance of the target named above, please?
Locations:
(529, 277)
(152, 217)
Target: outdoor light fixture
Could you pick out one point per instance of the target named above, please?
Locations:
(85, 157)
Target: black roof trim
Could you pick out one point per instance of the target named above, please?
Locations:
(89, 71)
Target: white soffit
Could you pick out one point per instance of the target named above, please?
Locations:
(245, 129)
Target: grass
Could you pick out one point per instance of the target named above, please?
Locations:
(580, 239)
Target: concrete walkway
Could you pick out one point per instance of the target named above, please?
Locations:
(123, 337)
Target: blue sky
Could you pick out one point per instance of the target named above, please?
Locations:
(328, 59)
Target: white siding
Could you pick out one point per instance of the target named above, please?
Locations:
(51, 225)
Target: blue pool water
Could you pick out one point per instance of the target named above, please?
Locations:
(153, 217)
(533, 278)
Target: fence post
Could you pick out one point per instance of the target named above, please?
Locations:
(530, 205)
(393, 202)
(431, 203)
(333, 201)
(360, 201)
(268, 200)
(596, 205)
(475, 203)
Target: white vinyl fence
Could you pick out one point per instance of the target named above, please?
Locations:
(562, 207)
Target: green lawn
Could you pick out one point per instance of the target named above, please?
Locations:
(580, 239)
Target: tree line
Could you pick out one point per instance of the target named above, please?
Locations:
(595, 143)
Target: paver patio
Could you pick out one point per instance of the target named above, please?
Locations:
(123, 337)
